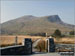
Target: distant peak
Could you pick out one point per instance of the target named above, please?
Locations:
(27, 17)
(54, 18)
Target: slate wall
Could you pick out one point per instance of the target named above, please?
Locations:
(18, 50)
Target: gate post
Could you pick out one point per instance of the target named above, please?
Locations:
(50, 45)
(28, 45)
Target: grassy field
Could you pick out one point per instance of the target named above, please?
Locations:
(10, 40)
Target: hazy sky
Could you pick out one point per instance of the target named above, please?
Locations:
(14, 9)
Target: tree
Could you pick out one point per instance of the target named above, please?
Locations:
(72, 33)
(57, 33)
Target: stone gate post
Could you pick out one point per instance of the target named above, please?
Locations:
(28, 45)
(50, 45)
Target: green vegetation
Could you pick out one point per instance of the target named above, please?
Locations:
(72, 33)
(57, 33)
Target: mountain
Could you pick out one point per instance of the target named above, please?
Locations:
(31, 24)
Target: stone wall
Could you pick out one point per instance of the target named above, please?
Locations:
(25, 49)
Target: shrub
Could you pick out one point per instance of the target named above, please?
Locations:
(57, 33)
(72, 33)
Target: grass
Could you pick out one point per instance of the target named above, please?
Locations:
(9, 40)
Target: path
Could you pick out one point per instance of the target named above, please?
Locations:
(36, 42)
(44, 54)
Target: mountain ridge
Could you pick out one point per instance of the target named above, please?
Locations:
(32, 24)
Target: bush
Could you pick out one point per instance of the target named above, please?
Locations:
(38, 34)
(57, 33)
(72, 33)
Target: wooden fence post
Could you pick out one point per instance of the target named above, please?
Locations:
(16, 40)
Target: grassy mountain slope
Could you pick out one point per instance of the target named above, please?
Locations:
(31, 24)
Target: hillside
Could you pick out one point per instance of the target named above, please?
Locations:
(31, 24)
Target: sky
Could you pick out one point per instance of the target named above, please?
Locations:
(12, 9)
